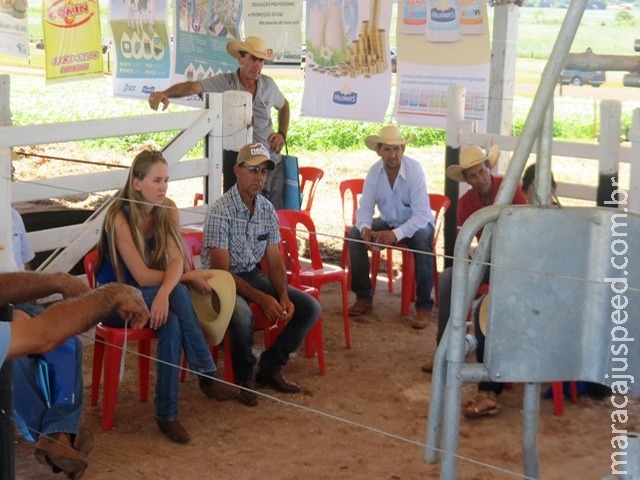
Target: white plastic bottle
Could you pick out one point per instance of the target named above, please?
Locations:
(443, 21)
(471, 22)
(414, 16)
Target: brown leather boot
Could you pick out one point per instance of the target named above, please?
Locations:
(174, 431)
(216, 387)
(56, 450)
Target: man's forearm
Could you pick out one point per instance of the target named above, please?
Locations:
(63, 320)
(17, 287)
(183, 89)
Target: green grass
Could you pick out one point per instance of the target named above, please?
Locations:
(575, 119)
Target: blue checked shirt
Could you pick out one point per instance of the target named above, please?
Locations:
(229, 226)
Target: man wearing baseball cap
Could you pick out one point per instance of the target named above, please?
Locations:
(251, 55)
(241, 228)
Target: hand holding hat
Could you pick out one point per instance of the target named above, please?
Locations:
(214, 309)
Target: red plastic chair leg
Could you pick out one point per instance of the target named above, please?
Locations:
(345, 314)
(390, 270)
(408, 282)
(375, 265)
(96, 374)
(112, 357)
(558, 398)
(573, 389)
(144, 355)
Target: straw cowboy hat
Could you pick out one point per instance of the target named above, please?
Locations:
(389, 135)
(483, 314)
(214, 309)
(470, 157)
(253, 45)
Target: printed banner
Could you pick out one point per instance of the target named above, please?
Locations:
(441, 44)
(279, 24)
(14, 23)
(348, 64)
(72, 43)
(142, 45)
(203, 29)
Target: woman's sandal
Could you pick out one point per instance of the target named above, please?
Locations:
(482, 405)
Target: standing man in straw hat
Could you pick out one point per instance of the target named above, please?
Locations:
(475, 169)
(251, 55)
(396, 185)
(241, 227)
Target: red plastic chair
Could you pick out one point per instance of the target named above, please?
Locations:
(318, 273)
(558, 396)
(309, 178)
(313, 342)
(439, 205)
(350, 192)
(107, 351)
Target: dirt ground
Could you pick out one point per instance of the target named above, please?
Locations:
(365, 419)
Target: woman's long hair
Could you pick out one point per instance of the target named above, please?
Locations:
(130, 201)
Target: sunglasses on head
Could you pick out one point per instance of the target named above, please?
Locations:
(255, 169)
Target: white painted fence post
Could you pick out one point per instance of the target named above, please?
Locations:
(634, 180)
(231, 130)
(455, 115)
(7, 263)
(610, 124)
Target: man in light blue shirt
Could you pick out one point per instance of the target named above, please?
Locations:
(396, 185)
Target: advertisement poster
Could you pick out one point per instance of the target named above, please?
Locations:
(142, 46)
(14, 23)
(348, 64)
(203, 29)
(72, 42)
(441, 44)
(279, 24)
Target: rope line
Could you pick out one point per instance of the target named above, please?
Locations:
(305, 409)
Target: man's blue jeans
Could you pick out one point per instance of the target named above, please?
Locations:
(307, 311)
(29, 400)
(182, 331)
(422, 241)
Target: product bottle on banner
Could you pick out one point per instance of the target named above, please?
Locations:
(414, 16)
(471, 17)
(443, 21)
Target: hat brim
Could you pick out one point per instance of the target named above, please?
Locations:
(234, 47)
(372, 141)
(483, 314)
(214, 309)
(456, 172)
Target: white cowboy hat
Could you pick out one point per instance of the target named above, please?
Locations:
(389, 135)
(214, 309)
(253, 45)
(470, 157)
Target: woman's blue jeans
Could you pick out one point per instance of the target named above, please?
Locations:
(182, 331)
